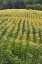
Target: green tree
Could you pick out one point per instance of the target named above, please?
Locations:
(30, 1)
(21, 4)
(4, 4)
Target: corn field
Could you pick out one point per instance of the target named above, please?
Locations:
(20, 36)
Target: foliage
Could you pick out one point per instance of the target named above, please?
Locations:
(34, 7)
(5, 4)
(17, 53)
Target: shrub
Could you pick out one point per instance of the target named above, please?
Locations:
(1, 8)
(34, 7)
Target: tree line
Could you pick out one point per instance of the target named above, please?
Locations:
(11, 4)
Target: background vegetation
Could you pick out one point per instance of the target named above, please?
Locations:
(28, 4)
